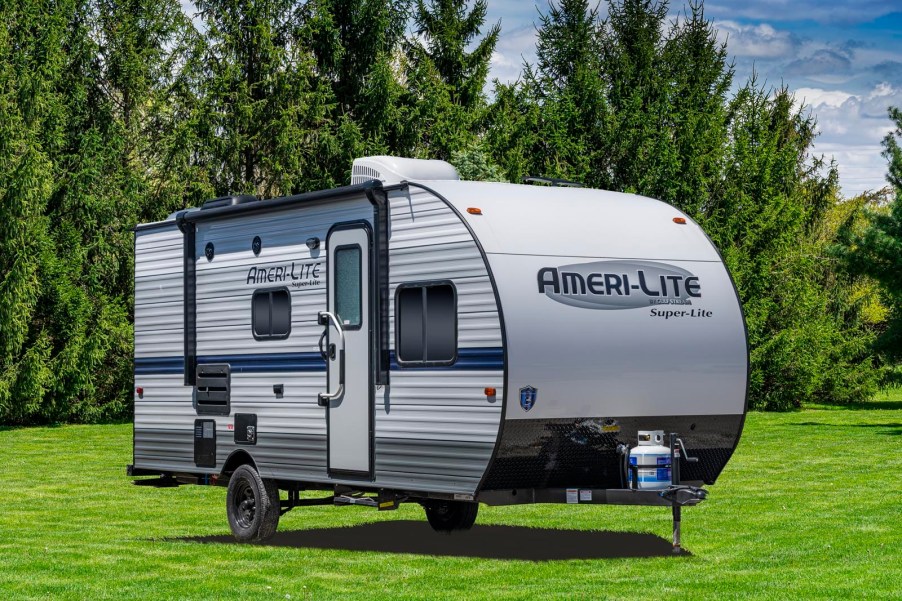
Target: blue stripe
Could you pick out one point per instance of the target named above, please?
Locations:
(159, 365)
(267, 362)
(468, 359)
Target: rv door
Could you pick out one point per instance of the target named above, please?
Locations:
(349, 400)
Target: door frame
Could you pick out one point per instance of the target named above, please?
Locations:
(368, 305)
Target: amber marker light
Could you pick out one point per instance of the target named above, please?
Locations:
(474, 211)
(489, 392)
(680, 220)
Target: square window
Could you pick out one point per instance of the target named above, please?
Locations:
(426, 323)
(271, 314)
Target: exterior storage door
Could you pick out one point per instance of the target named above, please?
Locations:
(349, 324)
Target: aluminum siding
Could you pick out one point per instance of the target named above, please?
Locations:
(437, 429)
(434, 429)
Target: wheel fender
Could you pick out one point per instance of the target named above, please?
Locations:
(236, 459)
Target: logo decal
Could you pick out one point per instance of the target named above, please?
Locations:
(622, 284)
(528, 396)
(298, 275)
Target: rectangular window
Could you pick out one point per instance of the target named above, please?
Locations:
(426, 320)
(271, 314)
(348, 296)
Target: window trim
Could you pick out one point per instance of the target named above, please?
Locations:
(269, 292)
(360, 280)
(425, 284)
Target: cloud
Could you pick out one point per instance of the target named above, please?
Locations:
(821, 62)
(514, 47)
(889, 71)
(850, 129)
(757, 41)
(859, 11)
(815, 97)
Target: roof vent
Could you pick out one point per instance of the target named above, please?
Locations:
(227, 201)
(391, 170)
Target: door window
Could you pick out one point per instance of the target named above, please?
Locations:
(348, 296)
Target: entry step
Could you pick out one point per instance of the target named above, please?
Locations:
(349, 500)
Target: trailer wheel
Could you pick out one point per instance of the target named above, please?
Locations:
(447, 516)
(252, 505)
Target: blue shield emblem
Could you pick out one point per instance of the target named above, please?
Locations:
(528, 396)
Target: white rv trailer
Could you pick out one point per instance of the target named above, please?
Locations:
(413, 337)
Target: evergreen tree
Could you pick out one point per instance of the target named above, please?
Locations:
(666, 88)
(447, 30)
(768, 222)
(445, 81)
(81, 77)
(357, 49)
(875, 251)
(566, 86)
(31, 61)
(513, 132)
(352, 39)
(473, 163)
(262, 113)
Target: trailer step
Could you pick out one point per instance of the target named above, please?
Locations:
(350, 500)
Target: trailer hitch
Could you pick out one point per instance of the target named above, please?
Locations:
(684, 495)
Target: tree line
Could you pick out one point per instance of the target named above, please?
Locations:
(116, 112)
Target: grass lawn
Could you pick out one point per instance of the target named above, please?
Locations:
(809, 507)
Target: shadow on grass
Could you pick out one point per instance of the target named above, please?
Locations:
(886, 429)
(488, 542)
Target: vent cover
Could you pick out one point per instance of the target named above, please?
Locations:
(362, 173)
(392, 170)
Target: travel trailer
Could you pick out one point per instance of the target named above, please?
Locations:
(417, 338)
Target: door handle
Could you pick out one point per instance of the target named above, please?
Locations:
(325, 318)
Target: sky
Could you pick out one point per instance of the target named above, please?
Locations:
(842, 58)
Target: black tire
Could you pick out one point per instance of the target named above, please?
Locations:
(252, 505)
(448, 516)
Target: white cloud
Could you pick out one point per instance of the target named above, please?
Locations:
(851, 128)
(514, 47)
(815, 97)
(756, 41)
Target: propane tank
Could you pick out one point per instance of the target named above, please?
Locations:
(653, 460)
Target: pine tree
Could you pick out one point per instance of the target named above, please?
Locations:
(445, 81)
(261, 112)
(875, 251)
(566, 86)
(768, 222)
(667, 92)
(80, 75)
(357, 49)
(447, 31)
(31, 61)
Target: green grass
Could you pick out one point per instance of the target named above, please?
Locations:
(810, 506)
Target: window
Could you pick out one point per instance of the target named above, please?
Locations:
(426, 320)
(271, 314)
(348, 297)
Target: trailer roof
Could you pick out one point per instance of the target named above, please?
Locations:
(574, 222)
